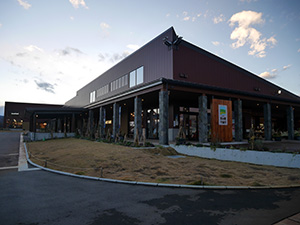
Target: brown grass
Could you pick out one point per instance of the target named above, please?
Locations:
(125, 163)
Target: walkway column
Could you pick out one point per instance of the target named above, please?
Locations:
(268, 121)
(202, 118)
(137, 117)
(34, 122)
(238, 120)
(290, 122)
(115, 120)
(73, 123)
(163, 117)
(91, 124)
(101, 122)
(151, 124)
(59, 125)
(65, 125)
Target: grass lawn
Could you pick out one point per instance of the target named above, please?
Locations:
(152, 165)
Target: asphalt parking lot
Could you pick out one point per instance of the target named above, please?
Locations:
(40, 197)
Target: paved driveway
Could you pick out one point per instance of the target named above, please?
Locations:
(9, 149)
(39, 197)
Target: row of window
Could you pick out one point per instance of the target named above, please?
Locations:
(102, 91)
(118, 83)
(136, 77)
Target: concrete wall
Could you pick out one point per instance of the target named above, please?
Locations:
(255, 157)
(41, 136)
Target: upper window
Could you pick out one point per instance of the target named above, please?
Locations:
(132, 77)
(136, 77)
(92, 96)
(140, 75)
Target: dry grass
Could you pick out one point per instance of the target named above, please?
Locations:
(125, 163)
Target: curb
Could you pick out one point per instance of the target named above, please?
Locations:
(201, 187)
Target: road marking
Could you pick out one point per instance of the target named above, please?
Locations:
(14, 154)
(29, 169)
(9, 168)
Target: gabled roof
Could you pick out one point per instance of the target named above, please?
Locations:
(206, 68)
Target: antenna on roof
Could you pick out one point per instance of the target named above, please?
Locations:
(173, 44)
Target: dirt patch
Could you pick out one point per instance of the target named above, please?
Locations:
(153, 165)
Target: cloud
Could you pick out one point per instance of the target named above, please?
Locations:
(104, 26)
(116, 57)
(21, 54)
(244, 33)
(77, 3)
(272, 40)
(168, 15)
(32, 48)
(113, 58)
(133, 47)
(219, 19)
(0, 25)
(187, 17)
(268, 75)
(72, 18)
(101, 57)
(274, 72)
(69, 51)
(45, 86)
(25, 4)
(286, 67)
(298, 50)
(215, 43)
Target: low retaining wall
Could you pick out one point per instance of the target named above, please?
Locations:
(248, 156)
(44, 136)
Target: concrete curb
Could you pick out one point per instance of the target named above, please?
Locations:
(202, 187)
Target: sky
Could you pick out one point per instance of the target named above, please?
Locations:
(49, 49)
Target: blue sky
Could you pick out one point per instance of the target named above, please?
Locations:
(51, 48)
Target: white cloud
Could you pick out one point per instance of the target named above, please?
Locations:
(0, 25)
(274, 72)
(219, 19)
(168, 15)
(299, 50)
(104, 26)
(286, 67)
(72, 18)
(77, 3)
(25, 4)
(244, 33)
(272, 40)
(268, 75)
(187, 18)
(133, 47)
(215, 43)
(32, 48)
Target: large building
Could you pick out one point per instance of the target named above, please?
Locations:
(170, 84)
(15, 115)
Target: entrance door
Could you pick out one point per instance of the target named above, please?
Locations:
(221, 120)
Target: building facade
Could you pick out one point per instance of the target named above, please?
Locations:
(170, 85)
(15, 115)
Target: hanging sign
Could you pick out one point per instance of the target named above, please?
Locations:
(223, 120)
